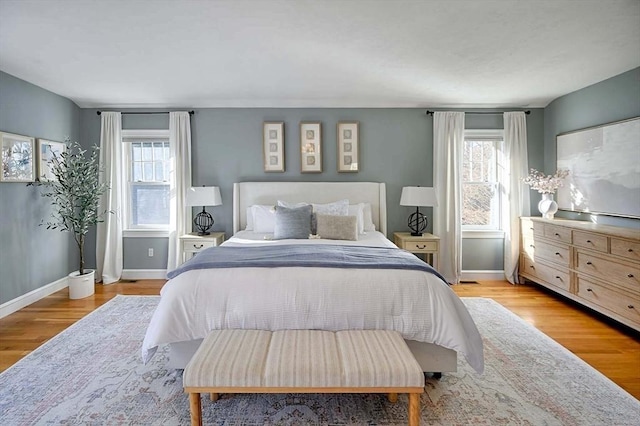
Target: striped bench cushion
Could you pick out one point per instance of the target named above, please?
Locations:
(303, 359)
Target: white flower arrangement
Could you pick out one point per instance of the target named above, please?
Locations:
(545, 184)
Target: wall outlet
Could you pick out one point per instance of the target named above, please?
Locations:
(150, 252)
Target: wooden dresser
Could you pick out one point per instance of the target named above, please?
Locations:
(596, 265)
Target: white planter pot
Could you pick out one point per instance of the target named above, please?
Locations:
(81, 285)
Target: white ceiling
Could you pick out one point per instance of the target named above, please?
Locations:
(304, 53)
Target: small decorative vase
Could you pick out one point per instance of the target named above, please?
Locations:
(547, 206)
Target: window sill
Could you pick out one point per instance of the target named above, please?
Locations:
(145, 233)
(480, 233)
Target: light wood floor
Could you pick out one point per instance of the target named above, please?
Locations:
(611, 349)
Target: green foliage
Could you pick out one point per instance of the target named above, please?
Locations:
(75, 193)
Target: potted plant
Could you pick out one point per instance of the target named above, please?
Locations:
(74, 191)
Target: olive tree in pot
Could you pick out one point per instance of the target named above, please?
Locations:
(74, 192)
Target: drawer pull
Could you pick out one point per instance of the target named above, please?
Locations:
(589, 263)
(421, 247)
(630, 250)
(532, 246)
(557, 254)
(557, 235)
(590, 290)
(629, 275)
(589, 241)
(198, 247)
(630, 306)
(532, 267)
(557, 277)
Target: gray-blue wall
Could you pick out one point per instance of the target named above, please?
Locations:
(396, 144)
(30, 255)
(396, 148)
(615, 99)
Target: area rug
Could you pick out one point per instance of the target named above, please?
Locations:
(92, 374)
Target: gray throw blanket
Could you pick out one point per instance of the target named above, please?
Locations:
(320, 256)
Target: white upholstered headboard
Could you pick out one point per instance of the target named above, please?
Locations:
(246, 194)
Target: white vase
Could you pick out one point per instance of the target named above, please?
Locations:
(547, 206)
(81, 286)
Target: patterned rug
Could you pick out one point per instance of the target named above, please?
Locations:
(92, 374)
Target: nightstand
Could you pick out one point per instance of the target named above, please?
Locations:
(192, 244)
(427, 244)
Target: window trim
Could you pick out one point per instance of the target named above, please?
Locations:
(496, 136)
(135, 135)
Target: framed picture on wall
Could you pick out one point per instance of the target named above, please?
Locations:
(273, 146)
(18, 162)
(348, 147)
(47, 151)
(310, 147)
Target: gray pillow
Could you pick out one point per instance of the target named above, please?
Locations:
(337, 227)
(292, 223)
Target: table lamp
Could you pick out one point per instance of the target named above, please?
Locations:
(418, 196)
(204, 196)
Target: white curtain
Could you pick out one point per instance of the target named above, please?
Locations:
(448, 140)
(516, 193)
(109, 233)
(180, 147)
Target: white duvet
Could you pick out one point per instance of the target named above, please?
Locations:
(417, 304)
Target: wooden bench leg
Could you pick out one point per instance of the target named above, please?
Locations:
(393, 397)
(196, 409)
(414, 409)
(215, 396)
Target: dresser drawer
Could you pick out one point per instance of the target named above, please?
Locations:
(622, 303)
(420, 246)
(529, 227)
(557, 233)
(621, 274)
(591, 241)
(538, 249)
(549, 275)
(626, 249)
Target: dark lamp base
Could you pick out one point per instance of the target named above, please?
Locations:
(203, 222)
(417, 223)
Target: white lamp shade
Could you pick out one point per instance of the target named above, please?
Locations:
(204, 196)
(418, 196)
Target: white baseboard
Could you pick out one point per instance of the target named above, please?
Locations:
(20, 302)
(144, 274)
(482, 275)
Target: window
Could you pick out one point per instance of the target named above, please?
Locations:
(481, 174)
(146, 163)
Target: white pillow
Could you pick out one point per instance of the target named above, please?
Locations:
(337, 208)
(357, 210)
(249, 226)
(264, 218)
(368, 218)
(290, 205)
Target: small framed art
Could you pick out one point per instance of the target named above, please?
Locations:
(18, 159)
(310, 147)
(348, 149)
(273, 146)
(47, 151)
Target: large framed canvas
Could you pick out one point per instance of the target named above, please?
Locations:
(604, 169)
(273, 146)
(47, 151)
(18, 159)
(310, 147)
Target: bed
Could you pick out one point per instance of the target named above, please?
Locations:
(418, 304)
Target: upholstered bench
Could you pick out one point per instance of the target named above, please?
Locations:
(303, 361)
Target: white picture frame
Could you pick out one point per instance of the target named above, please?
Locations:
(273, 146)
(310, 147)
(18, 158)
(348, 147)
(46, 151)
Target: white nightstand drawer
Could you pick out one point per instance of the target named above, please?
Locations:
(196, 245)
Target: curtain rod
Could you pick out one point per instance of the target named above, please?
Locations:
(483, 112)
(146, 113)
